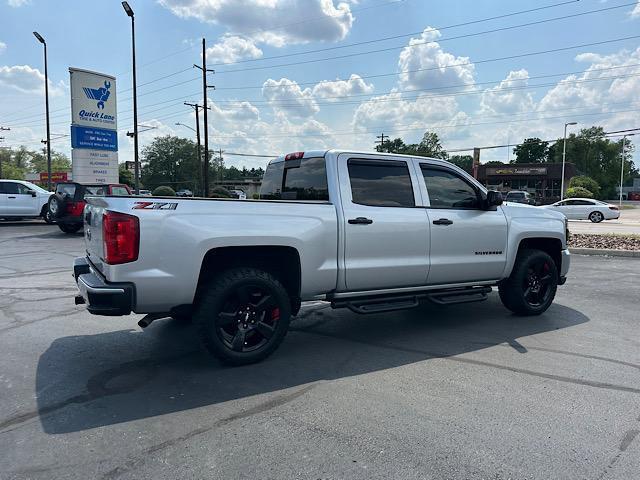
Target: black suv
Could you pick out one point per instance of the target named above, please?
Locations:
(66, 206)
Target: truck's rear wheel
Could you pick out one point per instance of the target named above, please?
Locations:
(532, 285)
(243, 315)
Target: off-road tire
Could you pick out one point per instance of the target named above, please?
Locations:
(512, 290)
(215, 296)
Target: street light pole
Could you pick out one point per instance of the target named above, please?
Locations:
(136, 161)
(46, 103)
(564, 157)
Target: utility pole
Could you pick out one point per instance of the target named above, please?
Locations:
(2, 140)
(197, 108)
(564, 157)
(206, 125)
(381, 141)
(46, 103)
(624, 144)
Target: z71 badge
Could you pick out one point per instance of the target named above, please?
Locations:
(154, 206)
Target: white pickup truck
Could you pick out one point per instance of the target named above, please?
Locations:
(372, 232)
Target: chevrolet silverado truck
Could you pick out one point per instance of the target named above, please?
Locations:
(372, 232)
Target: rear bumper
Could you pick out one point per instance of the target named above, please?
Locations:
(100, 296)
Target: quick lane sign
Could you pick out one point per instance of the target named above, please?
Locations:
(93, 99)
(94, 124)
(94, 138)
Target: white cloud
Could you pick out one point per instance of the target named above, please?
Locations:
(635, 13)
(426, 65)
(392, 110)
(585, 90)
(286, 96)
(231, 49)
(506, 97)
(240, 111)
(274, 22)
(334, 89)
(18, 3)
(3, 47)
(26, 80)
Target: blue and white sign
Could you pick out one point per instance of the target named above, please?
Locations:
(93, 99)
(94, 135)
(94, 138)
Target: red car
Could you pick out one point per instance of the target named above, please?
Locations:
(67, 204)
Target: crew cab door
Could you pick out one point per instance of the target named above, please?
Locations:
(468, 243)
(386, 236)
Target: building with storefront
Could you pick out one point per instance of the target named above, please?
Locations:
(543, 180)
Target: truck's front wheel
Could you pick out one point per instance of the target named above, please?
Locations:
(243, 315)
(532, 285)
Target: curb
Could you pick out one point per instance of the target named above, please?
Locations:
(605, 252)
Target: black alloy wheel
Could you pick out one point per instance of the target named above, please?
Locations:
(243, 315)
(248, 318)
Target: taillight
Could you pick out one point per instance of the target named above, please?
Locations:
(75, 209)
(121, 237)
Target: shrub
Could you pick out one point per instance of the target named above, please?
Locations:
(164, 191)
(219, 192)
(585, 182)
(581, 192)
(255, 196)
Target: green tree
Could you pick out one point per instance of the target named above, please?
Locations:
(494, 163)
(463, 161)
(429, 146)
(392, 146)
(171, 161)
(578, 192)
(585, 182)
(125, 176)
(532, 150)
(598, 157)
(38, 161)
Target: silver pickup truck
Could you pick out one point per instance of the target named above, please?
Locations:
(372, 232)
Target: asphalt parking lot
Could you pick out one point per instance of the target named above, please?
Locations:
(464, 392)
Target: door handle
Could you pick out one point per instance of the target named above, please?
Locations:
(360, 221)
(13, 197)
(442, 221)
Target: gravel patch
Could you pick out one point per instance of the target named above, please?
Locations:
(608, 242)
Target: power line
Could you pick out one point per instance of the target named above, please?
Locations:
(435, 29)
(509, 57)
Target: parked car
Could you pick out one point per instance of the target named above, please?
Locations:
(66, 206)
(585, 208)
(239, 194)
(20, 199)
(372, 232)
(185, 192)
(519, 196)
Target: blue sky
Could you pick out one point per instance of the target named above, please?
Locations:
(453, 86)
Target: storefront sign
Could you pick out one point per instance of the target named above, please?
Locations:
(517, 171)
(94, 166)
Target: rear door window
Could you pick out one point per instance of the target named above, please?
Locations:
(381, 183)
(119, 191)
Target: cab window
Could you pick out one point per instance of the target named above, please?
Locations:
(448, 190)
(119, 191)
(300, 179)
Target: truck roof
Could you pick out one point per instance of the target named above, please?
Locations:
(336, 151)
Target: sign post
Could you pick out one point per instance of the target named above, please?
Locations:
(94, 134)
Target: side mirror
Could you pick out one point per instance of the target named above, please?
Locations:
(33, 194)
(494, 199)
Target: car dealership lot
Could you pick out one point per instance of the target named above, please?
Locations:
(468, 391)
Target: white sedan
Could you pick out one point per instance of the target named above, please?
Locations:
(585, 209)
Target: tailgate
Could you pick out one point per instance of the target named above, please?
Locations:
(93, 212)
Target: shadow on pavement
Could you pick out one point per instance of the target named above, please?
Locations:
(90, 381)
